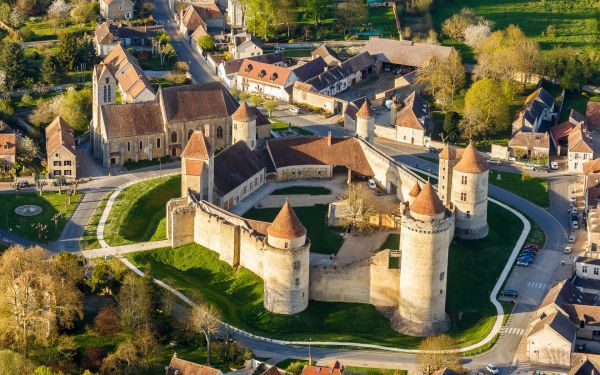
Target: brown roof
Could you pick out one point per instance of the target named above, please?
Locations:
(234, 166)
(104, 35)
(471, 161)
(448, 153)
(265, 73)
(10, 141)
(322, 370)
(588, 313)
(316, 151)
(131, 119)
(592, 114)
(273, 370)
(126, 69)
(414, 113)
(561, 131)
(199, 33)
(58, 134)
(415, 190)
(405, 52)
(286, 224)
(564, 293)
(592, 166)
(243, 113)
(182, 367)
(584, 368)
(198, 147)
(427, 202)
(579, 140)
(530, 139)
(197, 102)
(365, 110)
(558, 323)
(192, 18)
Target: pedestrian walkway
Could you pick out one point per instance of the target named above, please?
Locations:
(118, 251)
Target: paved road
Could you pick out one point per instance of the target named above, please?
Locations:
(199, 69)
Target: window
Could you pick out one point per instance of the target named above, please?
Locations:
(468, 214)
(596, 271)
(157, 142)
(56, 155)
(441, 291)
(463, 180)
(296, 264)
(57, 163)
(442, 274)
(67, 172)
(220, 132)
(207, 130)
(67, 163)
(463, 197)
(141, 145)
(297, 281)
(584, 269)
(174, 137)
(57, 172)
(128, 146)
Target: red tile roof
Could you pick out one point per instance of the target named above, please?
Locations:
(198, 147)
(561, 131)
(286, 224)
(265, 73)
(471, 161)
(427, 202)
(58, 134)
(8, 144)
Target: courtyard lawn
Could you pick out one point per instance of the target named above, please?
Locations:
(138, 213)
(279, 126)
(89, 238)
(324, 239)
(473, 269)
(310, 190)
(51, 204)
(534, 189)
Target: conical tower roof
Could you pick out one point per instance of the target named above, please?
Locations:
(243, 113)
(414, 192)
(286, 225)
(198, 147)
(471, 161)
(365, 110)
(427, 202)
(448, 153)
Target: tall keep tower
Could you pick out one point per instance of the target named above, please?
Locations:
(448, 159)
(104, 87)
(365, 122)
(197, 167)
(244, 125)
(425, 238)
(469, 194)
(286, 264)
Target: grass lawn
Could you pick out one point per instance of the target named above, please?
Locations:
(153, 62)
(311, 190)
(138, 213)
(324, 239)
(43, 30)
(279, 126)
(292, 365)
(89, 238)
(198, 273)
(351, 370)
(131, 165)
(576, 22)
(383, 20)
(391, 242)
(296, 52)
(534, 189)
(51, 203)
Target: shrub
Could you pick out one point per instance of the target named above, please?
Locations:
(26, 35)
(26, 98)
(92, 358)
(107, 321)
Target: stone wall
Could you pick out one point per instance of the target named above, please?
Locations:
(180, 222)
(304, 172)
(314, 99)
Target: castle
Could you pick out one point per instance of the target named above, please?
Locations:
(279, 252)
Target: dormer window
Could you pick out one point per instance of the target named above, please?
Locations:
(274, 76)
(262, 73)
(5, 146)
(248, 68)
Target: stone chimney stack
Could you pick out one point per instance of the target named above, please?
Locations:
(329, 139)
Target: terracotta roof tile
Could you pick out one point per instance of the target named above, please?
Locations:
(414, 192)
(182, 367)
(266, 73)
(243, 113)
(427, 202)
(58, 134)
(592, 166)
(198, 147)
(471, 161)
(405, 52)
(322, 370)
(579, 140)
(197, 102)
(193, 167)
(286, 224)
(530, 139)
(131, 119)
(562, 130)
(365, 110)
(8, 144)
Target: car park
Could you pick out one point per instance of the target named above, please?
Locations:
(371, 184)
(492, 369)
(509, 293)
(568, 249)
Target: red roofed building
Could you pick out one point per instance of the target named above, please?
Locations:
(334, 368)
(266, 79)
(60, 149)
(8, 150)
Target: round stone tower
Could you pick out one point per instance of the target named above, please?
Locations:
(243, 122)
(469, 194)
(286, 264)
(365, 122)
(413, 193)
(425, 237)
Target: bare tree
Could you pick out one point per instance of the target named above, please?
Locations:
(205, 319)
(134, 303)
(40, 185)
(436, 354)
(362, 206)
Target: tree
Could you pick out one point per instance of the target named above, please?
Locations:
(5, 13)
(107, 321)
(7, 108)
(27, 149)
(76, 108)
(205, 319)
(68, 50)
(451, 129)
(41, 184)
(455, 26)
(361, 205)
(475, 34)
(124, 360)
(70, 268)
(15, 363)
(33, 303)
(436, 354)
(270, 105)
(256, 100)
(12, 64)
(162, 45)
(84, 11)
(207, 43)
(486, 109)
(58, 13)
(350, 14)
(317, 9)
(286, 13)
(134, 303)
(442, 78)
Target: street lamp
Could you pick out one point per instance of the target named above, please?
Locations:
(159, 168)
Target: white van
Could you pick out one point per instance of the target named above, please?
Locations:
(294, 110)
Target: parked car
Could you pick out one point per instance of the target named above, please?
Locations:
(568, 249)
(540, 168)
(509, 293)
(523, 263)
(575, 224)
(61, 181)
(431, 149)
(574, 210)
(23, 184)
(532, 246)
(494, 161)
(492, 369)
(529, 166)
(572, 238)
(525, 259)
(371, 184)
(525, 256)
(294, 110)
(554, 165)
(527, 253)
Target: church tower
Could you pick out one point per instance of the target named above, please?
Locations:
(286, 264)
(365, 122)
(243, 122)
(469, 194)
(197, 167)
(104, 91)
(425, 237)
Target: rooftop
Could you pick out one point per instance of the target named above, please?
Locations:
(471, 161)
(427, 202)
(286, 224)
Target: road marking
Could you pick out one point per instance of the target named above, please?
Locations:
(513, 331)
(131, 177)
(537, 285)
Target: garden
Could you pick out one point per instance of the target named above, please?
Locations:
(238, 294)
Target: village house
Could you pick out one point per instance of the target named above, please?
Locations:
(412, 121)
(537, 115)
(530, 145)
(580, 148)
(116, 9)
(403, 56)
(266, 79)
(206, 16)
(228, 70)
(333, 368)
(326, 53)
(178, 366)
(61, 156)
(244, 45)
(108, 35)
(8, 149)
(591, 183)
(559, 134)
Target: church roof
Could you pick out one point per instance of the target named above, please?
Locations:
(365, 110)
(414, 192)
(427, 202)
(471, 161)
(243, 113)
(197, 147)
(286, 224)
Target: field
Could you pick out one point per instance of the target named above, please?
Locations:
(138, 213)
(324, 239)
(51, 203)
(198, 273)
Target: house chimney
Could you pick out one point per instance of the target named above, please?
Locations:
(329, 139)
